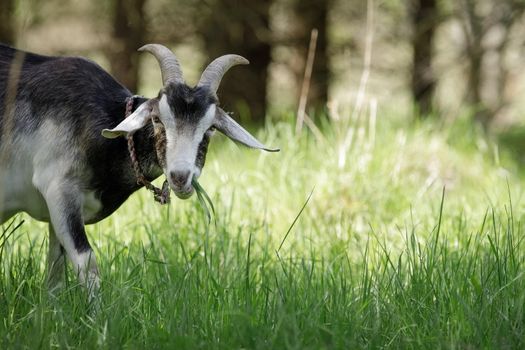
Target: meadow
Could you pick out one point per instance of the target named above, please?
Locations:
(372, 232)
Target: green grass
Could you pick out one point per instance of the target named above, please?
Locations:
(415, 241)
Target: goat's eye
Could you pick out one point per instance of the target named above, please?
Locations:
(156, 120)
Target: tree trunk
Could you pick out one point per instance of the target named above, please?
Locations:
(474, 32)
(475, 56)
(424, 20)
(7, 22)
(128, 35)
(312, 14)
(241, 27)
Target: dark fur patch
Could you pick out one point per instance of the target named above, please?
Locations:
(203, 149)
(188, 103)
(75, 223)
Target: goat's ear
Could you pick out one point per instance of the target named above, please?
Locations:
(134, 121)
(229, 127)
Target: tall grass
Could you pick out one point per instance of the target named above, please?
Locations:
(414, 241)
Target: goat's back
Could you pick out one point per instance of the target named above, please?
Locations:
(71, 89)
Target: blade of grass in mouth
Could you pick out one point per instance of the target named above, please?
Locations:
(204, 200)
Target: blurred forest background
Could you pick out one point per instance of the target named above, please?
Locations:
(413, 237)
(418, 58)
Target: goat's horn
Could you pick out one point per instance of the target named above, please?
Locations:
(169, 64)
(213, 74)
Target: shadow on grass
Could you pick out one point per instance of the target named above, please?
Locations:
(513, 141)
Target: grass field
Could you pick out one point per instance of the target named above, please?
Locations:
(412, 238)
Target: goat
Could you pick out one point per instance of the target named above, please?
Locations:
(62, 160)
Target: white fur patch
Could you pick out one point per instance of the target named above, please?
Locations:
(168, 120)
(35, 161)
(29, 154)
(182, 145)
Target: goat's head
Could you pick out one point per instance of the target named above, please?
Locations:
(184, 118)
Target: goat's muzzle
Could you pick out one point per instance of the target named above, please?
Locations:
(180, 182)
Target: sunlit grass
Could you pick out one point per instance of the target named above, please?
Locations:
(414, 242)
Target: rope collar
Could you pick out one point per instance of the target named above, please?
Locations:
(160, 195)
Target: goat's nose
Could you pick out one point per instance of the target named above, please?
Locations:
(180, 178)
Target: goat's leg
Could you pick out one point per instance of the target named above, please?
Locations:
(55, 261)
(65, 209)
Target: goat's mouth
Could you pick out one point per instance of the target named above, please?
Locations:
(184, 193)
(181, 183)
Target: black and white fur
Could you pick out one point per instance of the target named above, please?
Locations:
(56, 165)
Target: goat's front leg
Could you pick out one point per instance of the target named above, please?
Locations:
(64, 203)
(55, 261)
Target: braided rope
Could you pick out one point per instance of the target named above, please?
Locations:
(160, 195)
